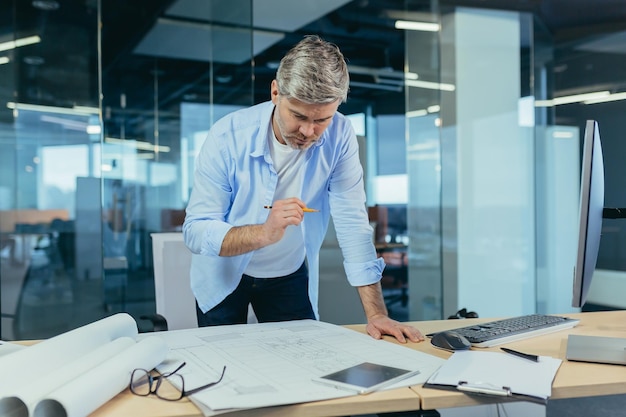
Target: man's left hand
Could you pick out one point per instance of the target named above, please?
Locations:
(380, 325)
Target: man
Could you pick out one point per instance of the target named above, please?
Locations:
(253, 241)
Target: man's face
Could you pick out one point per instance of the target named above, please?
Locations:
(298, 124)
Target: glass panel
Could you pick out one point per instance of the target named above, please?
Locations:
(163, 88)
(592, 63)
(424, 168)
(47, 133)
(470, 167)
(12, 256)
(79, 197)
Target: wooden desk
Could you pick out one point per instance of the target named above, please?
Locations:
(127, 404)
(573, 379)
(13, 273)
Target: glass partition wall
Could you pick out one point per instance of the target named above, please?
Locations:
(100, 121)
(160, 98)
(49, 107)
(471, 165)
(493, 155)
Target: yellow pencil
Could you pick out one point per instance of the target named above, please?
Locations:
(306, 209)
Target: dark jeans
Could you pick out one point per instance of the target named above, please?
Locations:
(273, 299)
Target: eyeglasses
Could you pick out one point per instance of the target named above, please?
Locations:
(143, 383)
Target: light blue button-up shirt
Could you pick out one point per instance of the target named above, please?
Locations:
(234, 178)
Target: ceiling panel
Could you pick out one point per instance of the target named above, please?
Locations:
(226, 38)
(270, 14)
(614, 43)
(267, 14)
(170, 39)
(232, 12)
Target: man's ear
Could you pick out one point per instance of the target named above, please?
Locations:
(274, 92)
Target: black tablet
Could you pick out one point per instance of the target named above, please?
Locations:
(365, 377)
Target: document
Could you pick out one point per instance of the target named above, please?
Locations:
(270, 364)
(498, 374)
(7, 347)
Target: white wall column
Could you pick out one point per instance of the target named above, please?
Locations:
(487, 168)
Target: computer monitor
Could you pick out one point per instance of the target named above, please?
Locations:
(590, 213)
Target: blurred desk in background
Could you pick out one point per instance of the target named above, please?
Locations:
(395, 280)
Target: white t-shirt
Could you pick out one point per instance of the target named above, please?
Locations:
(285, 256)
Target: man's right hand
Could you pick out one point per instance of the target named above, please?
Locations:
(287, 212)
(243, 239)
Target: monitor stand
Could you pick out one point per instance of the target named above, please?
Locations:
(614, 213)
(597, 349)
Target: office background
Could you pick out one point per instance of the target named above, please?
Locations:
(470, 129)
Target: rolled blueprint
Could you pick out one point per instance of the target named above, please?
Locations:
(28, 365)
(98, 385)
(21, 400)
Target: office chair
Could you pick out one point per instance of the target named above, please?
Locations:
(175, 302)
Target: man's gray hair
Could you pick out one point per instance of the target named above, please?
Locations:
(313, 71)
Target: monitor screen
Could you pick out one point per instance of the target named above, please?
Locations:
(590, 213)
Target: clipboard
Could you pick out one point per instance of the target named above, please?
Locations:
(497, 374)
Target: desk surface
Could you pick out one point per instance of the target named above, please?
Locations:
(573, 379)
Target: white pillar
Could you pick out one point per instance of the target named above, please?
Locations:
(487, 168)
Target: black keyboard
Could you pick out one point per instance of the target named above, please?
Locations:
(515, 328)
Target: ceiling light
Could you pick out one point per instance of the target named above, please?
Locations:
(86, 109)
(416, 113)
(33, 60)
(66, 123)
(47, 5)
(562, 134)
(4, 60)
(610, 97)
(29, 40)
(411, 25)
(575, 98)
(430, 85)
(387, 87)
(382, 72)
(76, 110)
(137, 144)
(94, 129)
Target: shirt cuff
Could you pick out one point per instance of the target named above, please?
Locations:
(364, 273)
(214, 237)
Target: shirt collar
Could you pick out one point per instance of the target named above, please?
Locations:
(261, 145)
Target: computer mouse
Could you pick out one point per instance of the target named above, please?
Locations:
(449, 340)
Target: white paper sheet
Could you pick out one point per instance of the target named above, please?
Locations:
(498, 370)
(26, 365)
(8, 347)
(273, 363)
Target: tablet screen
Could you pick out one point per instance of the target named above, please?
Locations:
(367, 375)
